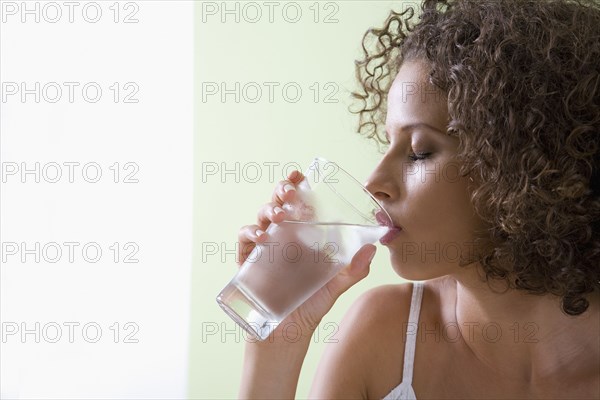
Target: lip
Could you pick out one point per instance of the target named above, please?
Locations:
(393, 231)
(389, 236)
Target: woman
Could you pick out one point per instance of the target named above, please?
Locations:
(507, 94)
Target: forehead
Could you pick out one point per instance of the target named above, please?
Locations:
(413, 99)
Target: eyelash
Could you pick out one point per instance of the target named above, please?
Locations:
(418, 156)
(413, 156)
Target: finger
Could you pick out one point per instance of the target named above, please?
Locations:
(286, 189)
(356, 271)
(270, 212)
(244, 252)
(283, 192)
(251, 233)
(295, 176)
(248, 236)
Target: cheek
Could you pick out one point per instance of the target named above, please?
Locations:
(438, 205)
(439, 226)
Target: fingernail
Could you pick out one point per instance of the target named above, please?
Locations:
(288, 187)
(259, 232)
(277, 210)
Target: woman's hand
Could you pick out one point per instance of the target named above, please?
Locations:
(305, 318)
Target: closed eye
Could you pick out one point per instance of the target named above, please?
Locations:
(418, 156)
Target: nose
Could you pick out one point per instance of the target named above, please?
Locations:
(380, 183)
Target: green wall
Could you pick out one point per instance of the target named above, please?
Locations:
(252, 134)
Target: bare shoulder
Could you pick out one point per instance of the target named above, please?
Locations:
(368, 345)
(367, 359)
(393, 308)
(388, 303)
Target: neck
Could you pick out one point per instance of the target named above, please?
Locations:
(522, 336)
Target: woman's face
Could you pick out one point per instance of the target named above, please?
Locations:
(425, 197)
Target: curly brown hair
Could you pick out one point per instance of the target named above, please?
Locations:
(523, 84)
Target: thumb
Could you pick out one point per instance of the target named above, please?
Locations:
(356, 271)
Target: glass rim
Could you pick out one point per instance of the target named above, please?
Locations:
(357, 182)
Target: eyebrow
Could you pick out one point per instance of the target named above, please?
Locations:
(412, 127)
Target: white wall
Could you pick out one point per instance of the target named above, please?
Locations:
(147, 211)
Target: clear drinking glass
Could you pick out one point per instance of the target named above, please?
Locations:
(331, 217)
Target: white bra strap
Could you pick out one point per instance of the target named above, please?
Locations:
(412, 331)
